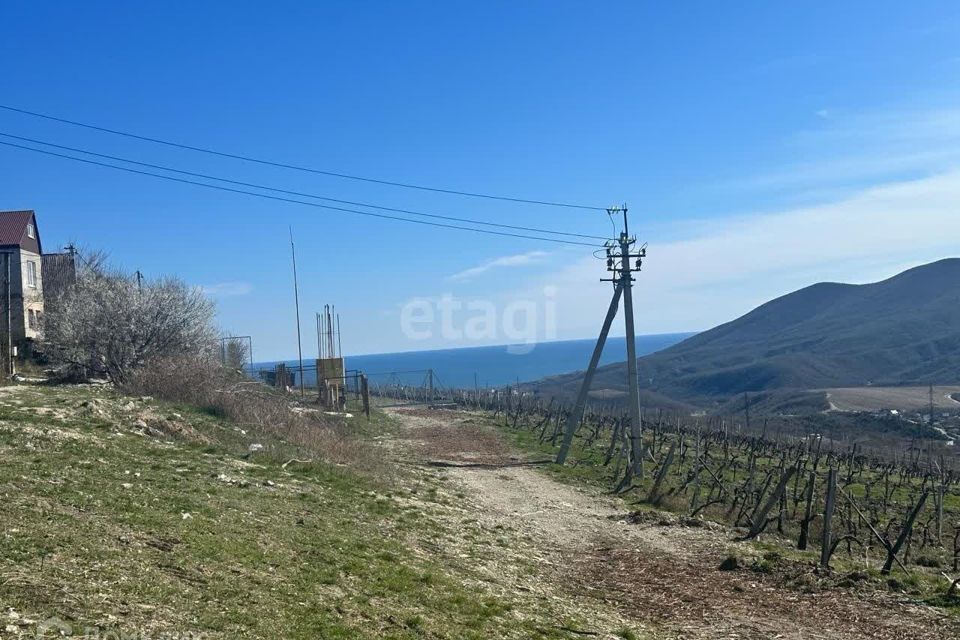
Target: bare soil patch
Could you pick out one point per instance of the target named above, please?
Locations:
(903, 398)
(444, 436)
(693, 599)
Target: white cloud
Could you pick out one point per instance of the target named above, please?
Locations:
(227, 289)
(888, 188)
(728, 267)
(851, 148)
(519, 260)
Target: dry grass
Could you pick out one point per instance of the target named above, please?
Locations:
(284, 425)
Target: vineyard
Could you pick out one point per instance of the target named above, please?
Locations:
(874, 509)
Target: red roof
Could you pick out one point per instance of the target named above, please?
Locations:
(13, 225)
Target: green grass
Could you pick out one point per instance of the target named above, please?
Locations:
(104, 528)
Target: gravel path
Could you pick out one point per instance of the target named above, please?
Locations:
(659, 573)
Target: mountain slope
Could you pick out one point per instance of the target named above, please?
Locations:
(904, 330)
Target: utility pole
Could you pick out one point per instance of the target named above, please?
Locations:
(620, 262)
(296, 302)
(746, 410)
(573, 419)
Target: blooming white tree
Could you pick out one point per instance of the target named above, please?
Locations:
(112, 324)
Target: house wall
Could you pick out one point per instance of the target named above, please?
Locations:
(32, 299)
(23, 297)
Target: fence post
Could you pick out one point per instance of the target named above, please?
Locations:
(828, 519)
(365, 391)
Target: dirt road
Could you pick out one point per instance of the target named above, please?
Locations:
(658, 576)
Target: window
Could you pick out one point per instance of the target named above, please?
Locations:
(31, 232)
(32, 274)
(33, 319)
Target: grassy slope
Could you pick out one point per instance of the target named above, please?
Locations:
(106, 528)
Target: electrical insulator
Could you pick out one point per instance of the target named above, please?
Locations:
(609, 262)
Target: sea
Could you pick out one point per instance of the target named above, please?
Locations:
(487, 367)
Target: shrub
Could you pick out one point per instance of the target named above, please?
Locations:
(928, 560)
(264, 412)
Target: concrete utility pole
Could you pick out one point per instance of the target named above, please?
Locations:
(573, 419)
(622, 266)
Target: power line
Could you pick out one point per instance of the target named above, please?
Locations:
(299, 193)
(291, 200)
(283, 165)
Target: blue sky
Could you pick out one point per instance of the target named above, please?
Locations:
(760, 149)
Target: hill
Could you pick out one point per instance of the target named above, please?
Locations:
(131, 517)
(903, 330)
(128, 517)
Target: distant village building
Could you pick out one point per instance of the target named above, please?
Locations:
(27, 279)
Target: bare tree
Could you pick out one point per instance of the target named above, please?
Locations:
(112, 323)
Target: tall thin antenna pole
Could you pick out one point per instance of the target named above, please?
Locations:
(296, 302)
(316, 316)
(323, 332)
(331, 351)
(339, 344)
